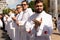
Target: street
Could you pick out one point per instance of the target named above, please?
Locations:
(4, 36)
(55, 35)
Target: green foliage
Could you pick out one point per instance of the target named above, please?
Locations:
(31, 5)
(6, 10)
(44, 7)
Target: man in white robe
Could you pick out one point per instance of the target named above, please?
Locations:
(16, 20)
(5, 21)
(41, 22)
(58, 23)
(12, 28)
(23, 17)
(9, 25)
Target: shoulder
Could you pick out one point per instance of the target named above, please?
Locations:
(29, 9)
(47, 14)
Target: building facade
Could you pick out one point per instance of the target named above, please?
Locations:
(2, 5)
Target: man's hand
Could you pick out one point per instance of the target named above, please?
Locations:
(37, 23)
(6, 16)
(29, 32)
(14, 18)
(17, 22)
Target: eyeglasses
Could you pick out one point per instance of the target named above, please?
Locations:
(24, 4)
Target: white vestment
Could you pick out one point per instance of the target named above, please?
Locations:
(58, 25)
(1, 23)
(46, 25)
(8, 25)
(26, 14)
(11, 29)
(5, 21)
(17, 27)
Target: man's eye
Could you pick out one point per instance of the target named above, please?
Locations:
(39, 6)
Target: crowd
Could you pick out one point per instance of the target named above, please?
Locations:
(24, 24)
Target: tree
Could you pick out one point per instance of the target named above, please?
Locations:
(6, 10)
(31, 5)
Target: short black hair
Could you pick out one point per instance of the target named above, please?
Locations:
(26, 2)
(38, 1)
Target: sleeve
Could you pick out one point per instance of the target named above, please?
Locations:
(4, 19)
(50, 28)
(29, 25)
(46, 26)
(12, 15)
(28, 14)
(21, 23)
(51, 22)
(30, 11)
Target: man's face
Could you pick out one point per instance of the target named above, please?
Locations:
(16, 12)
(39, 7)
(19, 8)
(0, 16)
(25, 5)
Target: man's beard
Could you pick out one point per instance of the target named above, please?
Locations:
(38, 11)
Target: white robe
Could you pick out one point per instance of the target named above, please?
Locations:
(58, 25)
(46, 25)
(8, 26)
(26, 14)
(1, 23)
(11, 28)
(5, 21)
(17, 27)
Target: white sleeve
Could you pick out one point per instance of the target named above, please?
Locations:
(12, 15)
(30, 11)
(29, 25)
(28, 14)
(4, 19)
(21, 23)
(51, 22)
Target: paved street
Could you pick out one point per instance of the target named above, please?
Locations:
(4, 36)
(55, 35)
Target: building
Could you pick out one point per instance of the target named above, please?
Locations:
(59, 6)
(2, 5)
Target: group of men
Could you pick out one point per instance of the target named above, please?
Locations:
(25, 24)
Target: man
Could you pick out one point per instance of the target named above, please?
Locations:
(58, 23)
(17, 20)
(55, 23)
(41, 22)
(27, 12)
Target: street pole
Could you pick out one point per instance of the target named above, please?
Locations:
(56, 9)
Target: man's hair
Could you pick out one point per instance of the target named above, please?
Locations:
(26, 2)
(38, 1)
(19, 5)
